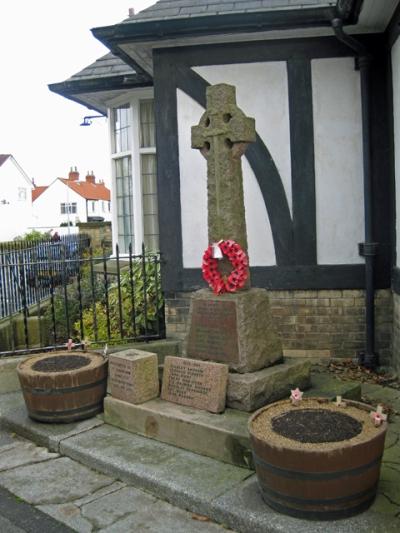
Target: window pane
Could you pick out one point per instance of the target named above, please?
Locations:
(124, 202)
(121, 128)
(150, 205)
(147, 124)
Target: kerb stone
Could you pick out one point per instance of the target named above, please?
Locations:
(236, 329)
(133, 376)
(194, 383)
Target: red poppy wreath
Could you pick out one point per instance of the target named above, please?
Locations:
(236, 279)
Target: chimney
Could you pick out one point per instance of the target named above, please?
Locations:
(131, 12)
(73, 174)
(90, 177)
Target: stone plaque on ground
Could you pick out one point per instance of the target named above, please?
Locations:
(196, 384)
(133, 376)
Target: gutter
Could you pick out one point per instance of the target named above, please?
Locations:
(149, 31)
(367, 249)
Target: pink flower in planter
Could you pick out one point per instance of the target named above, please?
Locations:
(378, 416)
(296, 396)
(339, 402)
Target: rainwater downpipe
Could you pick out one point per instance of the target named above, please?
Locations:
(367, 249)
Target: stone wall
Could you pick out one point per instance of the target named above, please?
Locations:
(396, 332)
(99, 233)
(324, 322)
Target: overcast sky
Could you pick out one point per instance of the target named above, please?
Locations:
(42, 42)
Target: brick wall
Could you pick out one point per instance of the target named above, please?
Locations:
(324, 320)
(396, 333)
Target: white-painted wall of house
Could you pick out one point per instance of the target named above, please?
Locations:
(47, 207)
(396, 120)
(338, 160)
(15, 201)
(338, 157)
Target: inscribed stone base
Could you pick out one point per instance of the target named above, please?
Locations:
(248, 392)
(133, 375)
(198, 384)
(236, 329)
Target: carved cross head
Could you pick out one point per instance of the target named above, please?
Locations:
(223, 126)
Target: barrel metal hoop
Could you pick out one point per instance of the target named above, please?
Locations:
(55, 392)
(371, 491)
(295, 474)
(320, 515)
(66, 412)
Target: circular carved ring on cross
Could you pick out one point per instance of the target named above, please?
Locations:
(236, 279)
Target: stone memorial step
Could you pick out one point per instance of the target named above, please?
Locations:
(194, 383)
(250, 391)
(221, 436)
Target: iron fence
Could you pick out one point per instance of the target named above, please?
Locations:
(25, 268)
(90, 297)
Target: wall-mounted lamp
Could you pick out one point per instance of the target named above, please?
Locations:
(88, 119)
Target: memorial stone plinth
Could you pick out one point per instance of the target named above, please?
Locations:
(195, 383)
(235, 329)
(133, 376)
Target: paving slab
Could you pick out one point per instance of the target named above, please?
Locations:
(14, 417)
(54, 481)
(22, 453)
(183, 478)
(377, 393)
(8, 374)
(244, 509)
(221, 436)
(329, 387)
(162, 517)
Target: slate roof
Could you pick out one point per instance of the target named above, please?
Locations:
(170, 9)
(3, 158)
(108, 65)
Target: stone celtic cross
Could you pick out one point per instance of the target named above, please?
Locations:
(222, 137)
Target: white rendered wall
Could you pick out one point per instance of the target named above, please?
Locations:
(15, 210)
(269, 106)
(338, 160)
(396, 120)
(193, 185)
(47, 207)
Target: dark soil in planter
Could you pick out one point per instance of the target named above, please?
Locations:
(60, 363)
(316, 425)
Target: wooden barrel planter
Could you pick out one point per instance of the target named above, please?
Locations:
(317, 460)
(63, 386)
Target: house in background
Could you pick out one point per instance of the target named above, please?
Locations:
(15, 199)
(68, 201)
(322, 80)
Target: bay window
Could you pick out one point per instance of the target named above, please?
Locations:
(135, 217)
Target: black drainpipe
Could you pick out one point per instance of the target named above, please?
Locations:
(367, 249)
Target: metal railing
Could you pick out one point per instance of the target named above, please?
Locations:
(25, 268)
(91, 298)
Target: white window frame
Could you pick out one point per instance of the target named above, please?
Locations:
(132, 98)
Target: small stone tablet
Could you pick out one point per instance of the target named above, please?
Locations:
(194, 383)
(133, 376)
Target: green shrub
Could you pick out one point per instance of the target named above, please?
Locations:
(141, 305)
(33, 236)
(135, 299)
